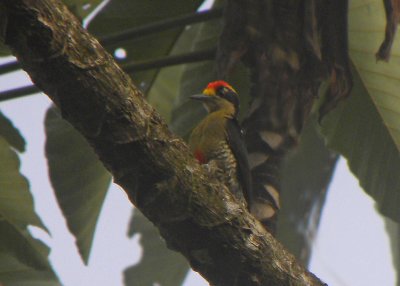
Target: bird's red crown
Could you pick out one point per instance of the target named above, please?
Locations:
(218, 83)
(213, 86)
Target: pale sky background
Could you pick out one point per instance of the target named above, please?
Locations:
(352, 247)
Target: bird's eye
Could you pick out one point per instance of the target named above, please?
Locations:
(222, 91)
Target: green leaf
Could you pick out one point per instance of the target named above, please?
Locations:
(158, 265)
(23, 259)
(11, 134)
(16, 202)
(79, 179)
(120, 15)
(306, 174)
(382, 80)
(165, 89)
(355, 129)
(393, 230)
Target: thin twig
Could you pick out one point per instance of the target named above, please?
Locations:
(18, 92)
(170, 61)
(9, 67)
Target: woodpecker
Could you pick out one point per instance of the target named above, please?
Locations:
(218, 139)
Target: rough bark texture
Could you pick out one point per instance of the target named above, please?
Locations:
(196, 217)
(290, 47)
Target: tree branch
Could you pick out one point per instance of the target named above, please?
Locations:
(196, 216)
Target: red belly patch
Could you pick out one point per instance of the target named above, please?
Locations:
(199, 155)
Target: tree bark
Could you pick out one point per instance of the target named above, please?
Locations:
(196, 216)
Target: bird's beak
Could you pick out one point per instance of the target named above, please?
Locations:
(201, 97)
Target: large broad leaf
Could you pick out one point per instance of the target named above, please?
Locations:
(11, 134)
(393, 230)
(355, 129)
(23, 260)
(16, 202)
(120, 15)
(306, 175)
(165, 89)
(382, 80)
(79, 179)
(159, 265)
(366, 128)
